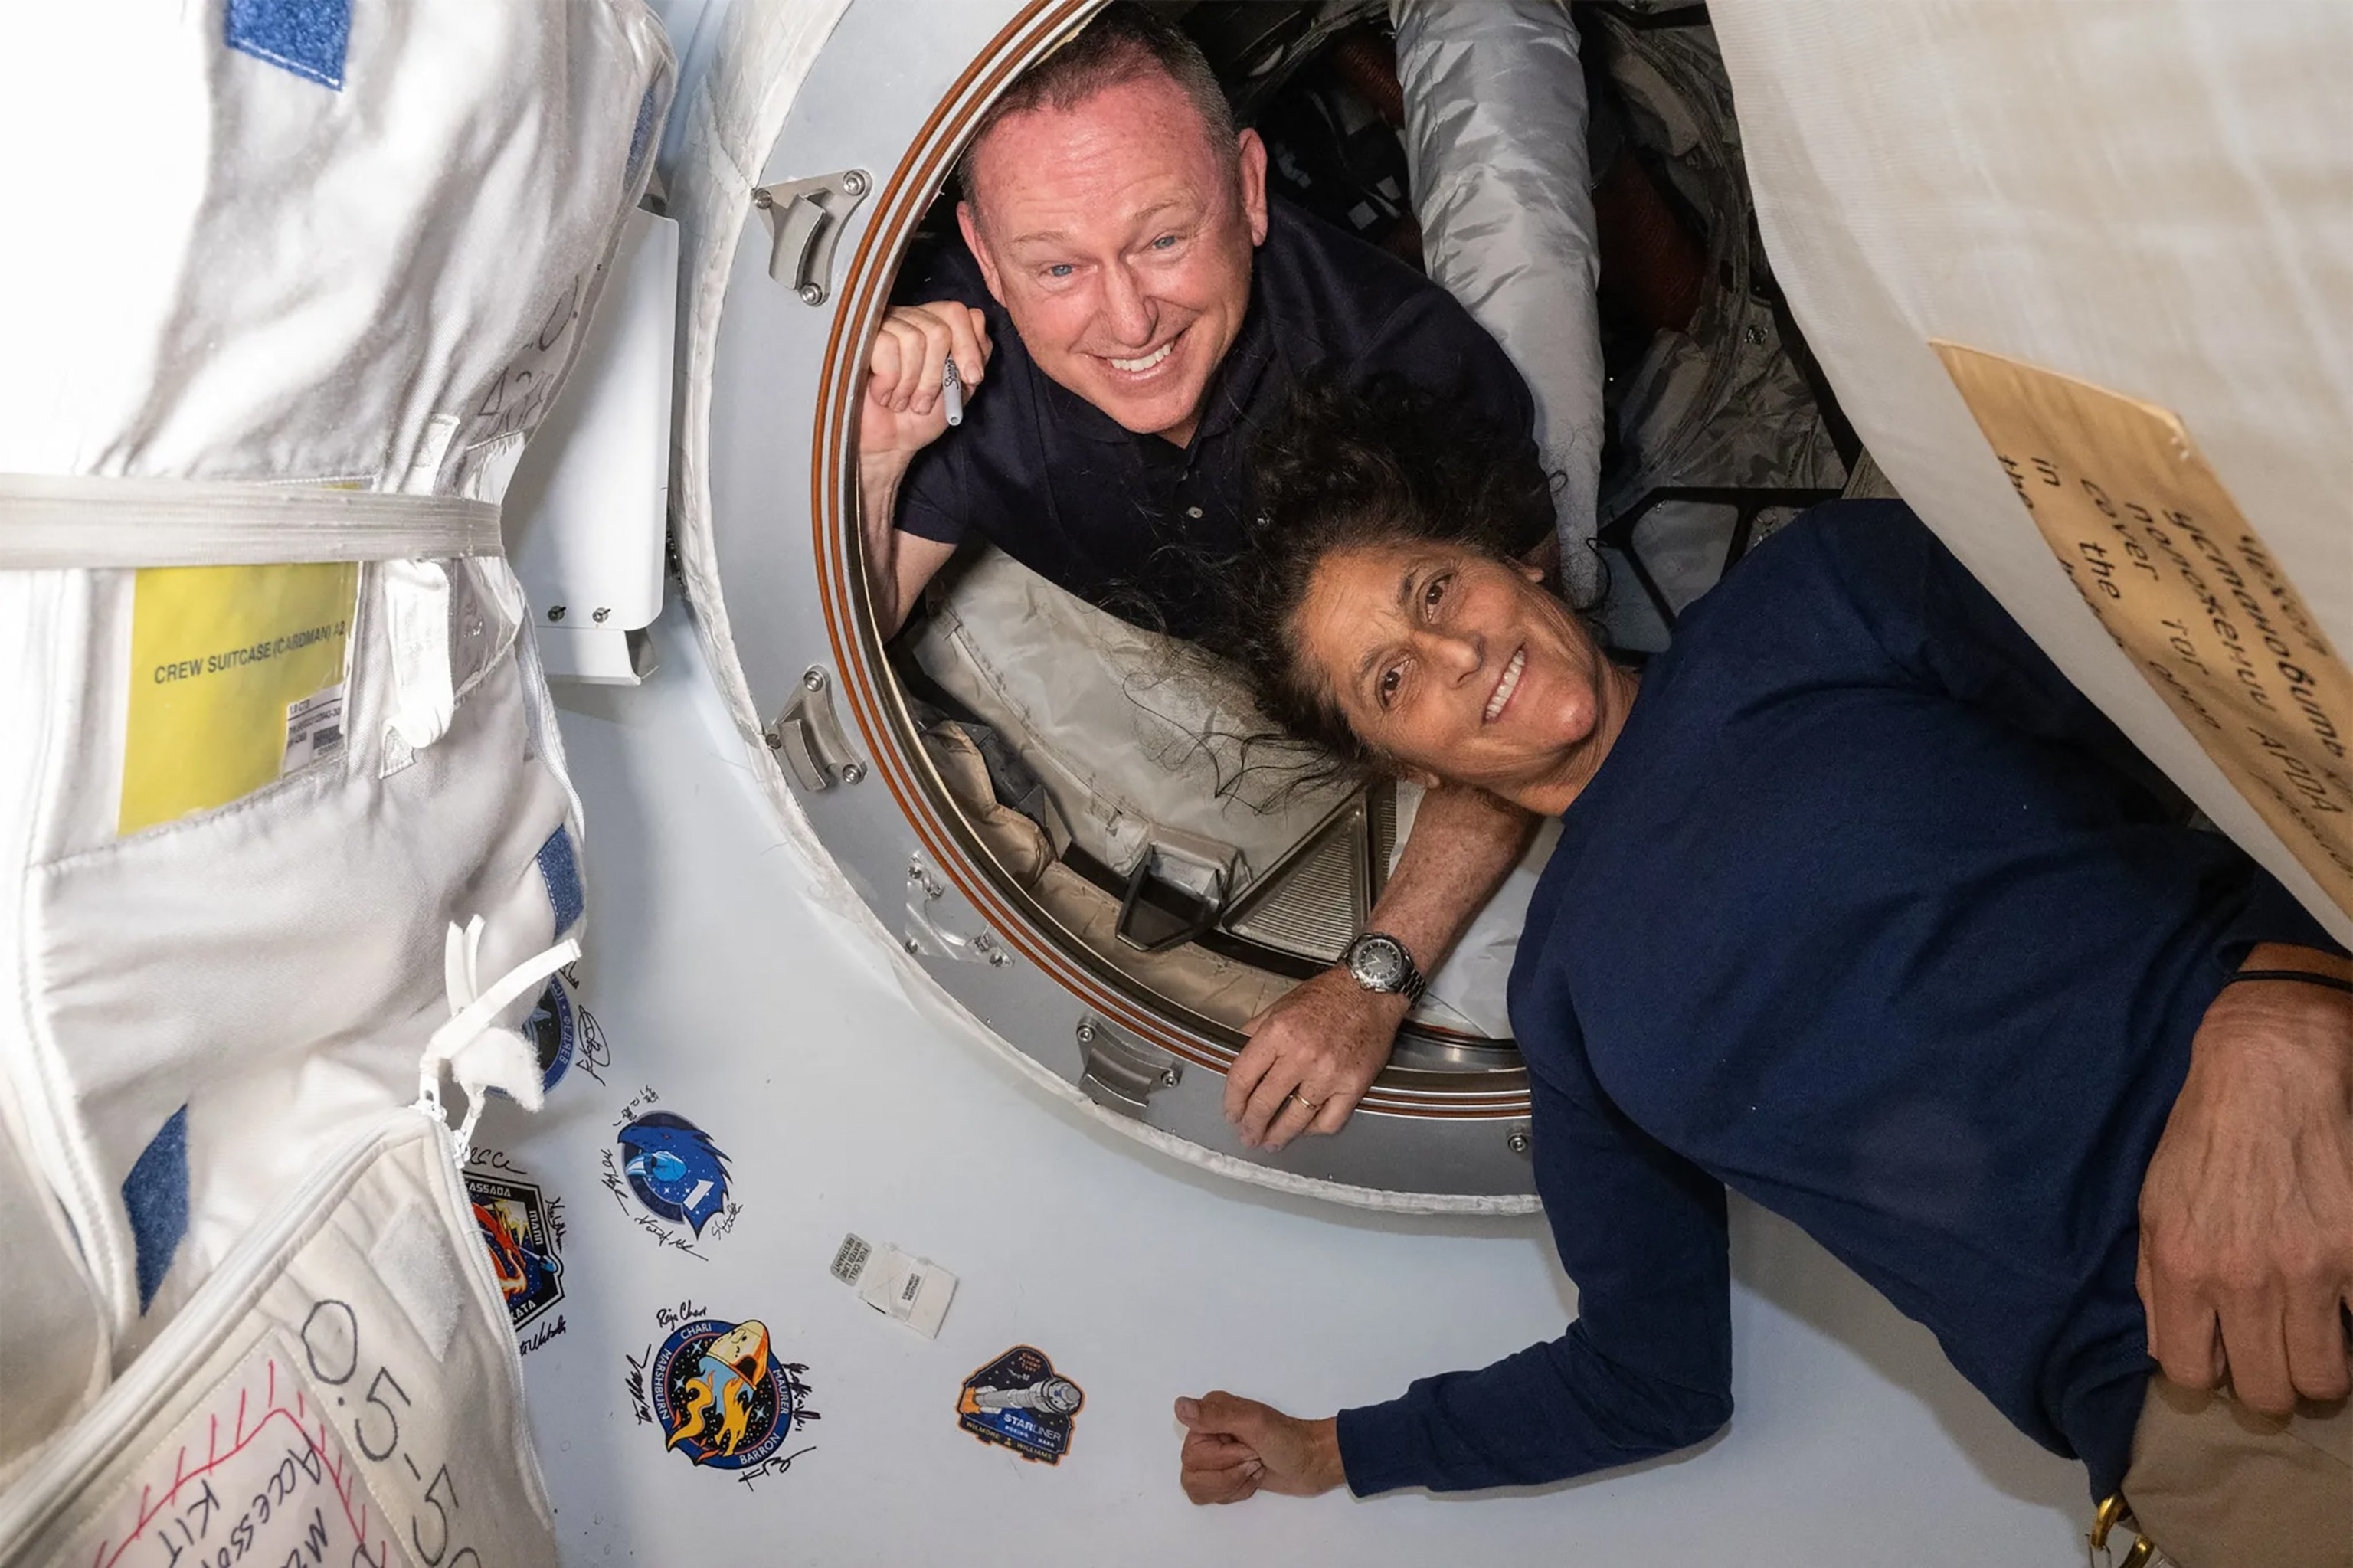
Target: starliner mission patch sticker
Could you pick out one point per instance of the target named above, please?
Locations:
(719, 1394)
(1018, 1400)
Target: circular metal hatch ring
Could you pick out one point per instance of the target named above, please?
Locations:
(883, 111)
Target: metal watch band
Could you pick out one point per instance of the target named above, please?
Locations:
(1410, 985)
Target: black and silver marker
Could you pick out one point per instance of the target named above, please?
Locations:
(952, 388)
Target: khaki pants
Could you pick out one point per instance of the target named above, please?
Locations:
(2214, 1485)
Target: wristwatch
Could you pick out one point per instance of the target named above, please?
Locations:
(1378, 961)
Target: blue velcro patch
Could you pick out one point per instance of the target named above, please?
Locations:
(156, 1195)
(559, 868)
(640, 134)
(305, 36)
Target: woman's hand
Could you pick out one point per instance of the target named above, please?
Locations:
(1310, 1059)
(1314, 1053)
(2246, 1214)
(1236, 1447)
(902, 411)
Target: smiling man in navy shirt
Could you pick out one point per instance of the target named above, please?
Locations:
(1128, 307)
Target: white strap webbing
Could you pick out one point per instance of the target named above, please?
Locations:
(52, 521)
(471, 1044)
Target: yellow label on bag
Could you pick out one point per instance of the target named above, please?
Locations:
(2158, 548)
(237, 679)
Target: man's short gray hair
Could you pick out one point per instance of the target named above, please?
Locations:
(1123, 43)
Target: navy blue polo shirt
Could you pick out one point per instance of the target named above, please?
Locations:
(1129, 522)
(1870, 915)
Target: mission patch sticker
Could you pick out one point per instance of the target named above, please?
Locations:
(1018, 1400)
(669, 1176)
(719, 1394)
(519, 1227)
(553, 1031)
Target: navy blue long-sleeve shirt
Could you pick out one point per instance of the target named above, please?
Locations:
(1871, 915)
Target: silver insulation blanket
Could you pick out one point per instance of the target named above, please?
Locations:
(1494, 136)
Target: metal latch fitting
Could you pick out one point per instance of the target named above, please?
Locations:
(924, 934)
(1172, 897)
(1121, 1073)
(808, 739)
(805, 218)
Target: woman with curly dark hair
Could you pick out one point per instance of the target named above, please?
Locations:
(1860, 909)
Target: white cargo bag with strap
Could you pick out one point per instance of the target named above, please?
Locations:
(286, 289)
(343, 1390)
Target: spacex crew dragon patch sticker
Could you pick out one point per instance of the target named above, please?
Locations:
(720, 1395)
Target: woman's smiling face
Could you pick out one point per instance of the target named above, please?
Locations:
(1459, 667)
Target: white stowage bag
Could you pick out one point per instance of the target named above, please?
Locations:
(1137, 739)
(299, 243)
(2150, 200)
(344, 1390)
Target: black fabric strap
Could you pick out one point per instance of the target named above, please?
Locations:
(2307, 977)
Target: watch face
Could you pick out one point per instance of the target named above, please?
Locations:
(1378, 963)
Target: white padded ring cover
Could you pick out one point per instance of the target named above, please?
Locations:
(2147, 197)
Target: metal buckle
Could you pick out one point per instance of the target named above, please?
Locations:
(809, 740)
(2113, 1512)
(1121, 1073)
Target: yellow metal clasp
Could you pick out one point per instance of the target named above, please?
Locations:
(2113, 1512)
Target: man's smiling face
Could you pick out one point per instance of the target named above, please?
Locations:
(1118, 236)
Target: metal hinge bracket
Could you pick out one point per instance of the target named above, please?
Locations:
(809, 740)
(1121, 1073)
(924, 935)
(805, 218)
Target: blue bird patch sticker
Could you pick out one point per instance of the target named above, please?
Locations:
(674, 1169)
(670, 1176)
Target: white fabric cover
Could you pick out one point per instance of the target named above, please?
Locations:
(221, 269)
(345, 1387)
(1496, 143)
(2147, 197)
(1469, 989)
(730, 122)
(53, 1348)
(1136, 736)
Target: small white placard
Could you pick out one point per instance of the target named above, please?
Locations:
(913, 1290)
(314, 729)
